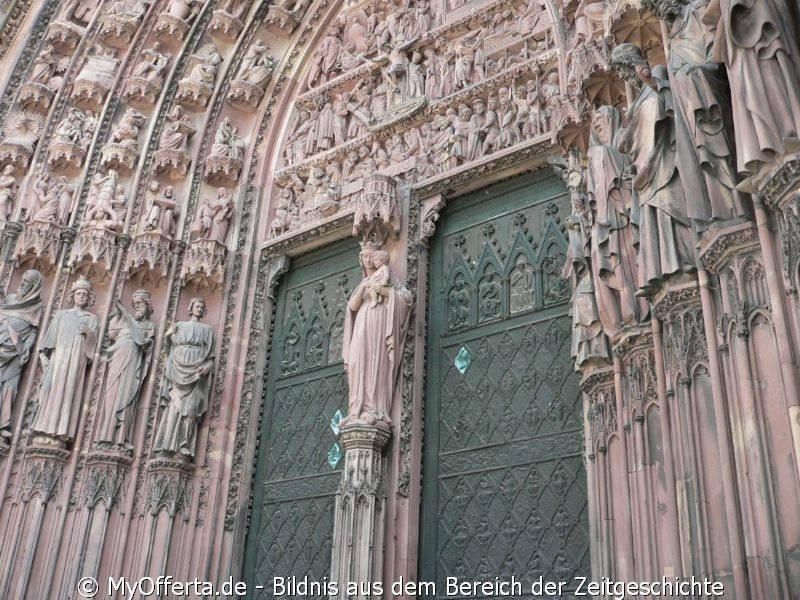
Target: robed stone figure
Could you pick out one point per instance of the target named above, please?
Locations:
(187, 382)
(666, 239)
(756, 40)
(129, 359)
(703, 124)
(589, 343)
(20, 316)
(65, 351)
(613, 234)
(374, 334)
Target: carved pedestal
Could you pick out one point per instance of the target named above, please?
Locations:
(93, 252)
(117, 31)
(204, 264)
(244, 95)
(192, 95)
(170, 28)
(64, 36)
(280, 21)
(169, 487)
(15, 154)
(42, 472)
(149, 257)
(358, 522)
(38, 245)
(225, 26)
(108, 468)
(140, 92)
(36, 97)
(65, 156)
(172, 163)
(89, 95)
(222, 171)
(120, 157)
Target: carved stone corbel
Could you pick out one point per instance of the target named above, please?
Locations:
(429, 215)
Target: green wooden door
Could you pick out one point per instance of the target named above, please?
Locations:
(294, 487)
(504, 487)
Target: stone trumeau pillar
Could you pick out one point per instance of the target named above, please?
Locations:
(375, 327)
(358, 528)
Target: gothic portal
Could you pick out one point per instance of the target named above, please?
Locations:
(362, 290)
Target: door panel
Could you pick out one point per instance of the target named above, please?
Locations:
(294, 487)
(504, 489)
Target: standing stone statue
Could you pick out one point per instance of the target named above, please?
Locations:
(704, 132)
(20, 314)
(187, 382)
(754, 39)
(666, 242)
(374, 333)
(66, 350)
(127, 367)
(589, 343)
(612, 231)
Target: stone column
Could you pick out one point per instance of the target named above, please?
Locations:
(358, 528)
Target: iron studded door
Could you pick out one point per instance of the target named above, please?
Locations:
(294, 484)
(504, 487)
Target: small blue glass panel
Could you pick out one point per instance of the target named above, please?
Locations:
(463, 360)
(337, 418)
(335, 455)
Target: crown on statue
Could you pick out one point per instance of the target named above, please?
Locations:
(81, 284)
(370, 245)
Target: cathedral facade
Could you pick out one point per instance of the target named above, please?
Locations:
(307, 292)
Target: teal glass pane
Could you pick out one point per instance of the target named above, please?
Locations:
(463, 360)
(335, 455)
(337, 418)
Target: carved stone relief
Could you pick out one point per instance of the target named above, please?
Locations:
(122, 149)
(174, 23)
(119, 22)
(143, 86)
(73, 135)
(194, 90)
